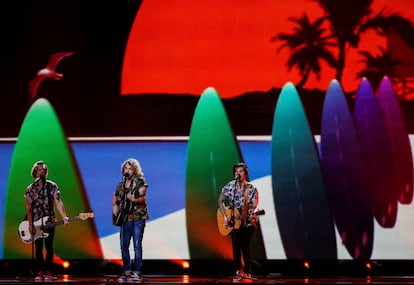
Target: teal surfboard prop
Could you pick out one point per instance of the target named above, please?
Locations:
(41, 137)
(400, 142)
(301, 203)
(212, 152)
(377, 151)
(344, 171)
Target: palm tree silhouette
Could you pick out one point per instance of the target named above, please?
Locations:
(308, 45)
(350, 19)
(380, 65)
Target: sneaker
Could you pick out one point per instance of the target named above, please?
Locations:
(124, 278)
(39, 276)
(237, 278)
(48, 276)
(247, 277)
(136, 277)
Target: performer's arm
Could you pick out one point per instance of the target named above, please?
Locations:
(220, 202)
(115, 204)
(142, 195)
(29, 213)
(61, 208)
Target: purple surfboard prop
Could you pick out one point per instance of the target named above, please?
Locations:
(400, 142)
(344, 171)
(377, 152)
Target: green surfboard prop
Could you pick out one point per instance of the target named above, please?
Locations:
(41, 138)
(301, 203)
(212, 151)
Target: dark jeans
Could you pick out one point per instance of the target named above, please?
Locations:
(41, 263)
(134, 229)
(241, 238)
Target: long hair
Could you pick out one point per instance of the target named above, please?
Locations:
(135, 165)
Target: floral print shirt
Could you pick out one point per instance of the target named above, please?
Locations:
(236, 199)
(42, 199)
(135, 211)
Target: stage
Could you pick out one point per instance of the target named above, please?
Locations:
(219, 272)
(187, 279)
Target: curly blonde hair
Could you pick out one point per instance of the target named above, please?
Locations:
(135, 165)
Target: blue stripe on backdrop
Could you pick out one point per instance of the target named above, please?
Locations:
(6, 151)
(163, 164)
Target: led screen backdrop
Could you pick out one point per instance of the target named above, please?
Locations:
(165, 236)
(129, 85)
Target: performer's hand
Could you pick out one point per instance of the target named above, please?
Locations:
(254, 219)
(130, 197)
(225, 222)
(66, 220)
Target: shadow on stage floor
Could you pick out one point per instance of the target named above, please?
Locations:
(219, 272)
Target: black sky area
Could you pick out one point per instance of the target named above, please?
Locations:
(33, 30)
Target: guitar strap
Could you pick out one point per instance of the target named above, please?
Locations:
(245, 206)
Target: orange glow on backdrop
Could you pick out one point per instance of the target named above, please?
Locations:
(205, 231)
(187, 46)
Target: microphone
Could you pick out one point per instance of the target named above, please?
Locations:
(237, 177)
(40, 178)
(126, 175)
(124, 178)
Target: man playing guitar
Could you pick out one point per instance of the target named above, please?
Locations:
(41, 197)
(243, 196)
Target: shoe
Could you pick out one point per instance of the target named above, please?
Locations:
(247, 278)
(124, 278)
(39, 276)
(135, 277)
(237, 278)
(48, 276)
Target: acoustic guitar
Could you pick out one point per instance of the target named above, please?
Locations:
(234, 219)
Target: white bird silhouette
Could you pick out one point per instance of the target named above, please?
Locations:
(47, 72)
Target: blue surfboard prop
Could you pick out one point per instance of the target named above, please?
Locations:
(400, 142)
(301, 203)
(377, 152)
(344, 171)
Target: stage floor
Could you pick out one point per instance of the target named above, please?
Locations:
(218, 272)
(187, 279)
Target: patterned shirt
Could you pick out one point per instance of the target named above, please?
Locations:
(42, 199)
(136, 211)
(236, 199)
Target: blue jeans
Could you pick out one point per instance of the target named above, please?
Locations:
(134, 229)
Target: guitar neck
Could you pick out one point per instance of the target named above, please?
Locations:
(259, 213)
(54, 224)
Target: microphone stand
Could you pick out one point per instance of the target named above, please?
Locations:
(43, 196)
(32, 223)
(233, 222)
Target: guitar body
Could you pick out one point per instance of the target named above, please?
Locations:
(120, 213)
(233, 222)
(25, 234)
(119, 219)
(234, 219)
(42, 224)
